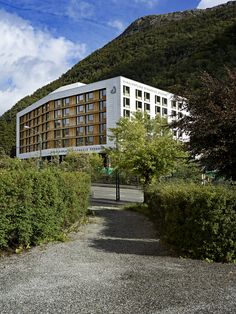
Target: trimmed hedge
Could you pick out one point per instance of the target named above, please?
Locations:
(35, 206)
(199, 221)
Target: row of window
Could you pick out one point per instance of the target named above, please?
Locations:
(80, 141)
(83, 130)
(35, 113)
(87, 97)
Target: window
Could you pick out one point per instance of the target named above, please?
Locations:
(57, 124)
(157, 99)
(44, 136)
(66, 101)
(126, 102)
(79, 109)
(65, 132)
(126, 90)
(102, 128)
(80, 131)
(146, 96)
(57, 103)
(65, 112)
(44, 145)
(57, 143)
(102, 105)
(173, 113)
(80, 141)
(164, 112)
(57, 113)
(147, 107)
(102, 139)
(89, 118)
(102, 116)
(89, 140)
(79, 98)
(173, 104)
(65, 122)
(138, 105)
(126, 113)
(57, 133)
(89, 96)
(164, 101)
(65, 142)
(180, 115)
(89, 129)
(102, 93)
(80, 120)
(47, 116)
(90, 107)
(138, 94)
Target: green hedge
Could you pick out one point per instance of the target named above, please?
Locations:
(35, 206)
(199, 221)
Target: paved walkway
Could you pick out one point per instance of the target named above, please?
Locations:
(116, 265)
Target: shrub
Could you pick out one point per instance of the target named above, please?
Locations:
(35, 206)
(199, 221)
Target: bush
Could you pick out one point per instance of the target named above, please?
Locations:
(199, 221)
(35, 206)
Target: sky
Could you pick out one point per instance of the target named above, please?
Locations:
(41, 39)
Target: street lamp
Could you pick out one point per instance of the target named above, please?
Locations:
(40, 143)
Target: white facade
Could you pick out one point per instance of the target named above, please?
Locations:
(123, 96)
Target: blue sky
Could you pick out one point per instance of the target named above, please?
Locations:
(40, 40)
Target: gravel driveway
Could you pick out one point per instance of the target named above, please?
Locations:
(116, 265)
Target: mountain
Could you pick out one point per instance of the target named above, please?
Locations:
(166, 51)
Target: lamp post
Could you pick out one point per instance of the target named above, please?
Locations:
(40, 143)
(117, 176)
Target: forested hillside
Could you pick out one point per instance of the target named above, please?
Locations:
(166, 51)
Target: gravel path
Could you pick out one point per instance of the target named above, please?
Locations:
(116, 265)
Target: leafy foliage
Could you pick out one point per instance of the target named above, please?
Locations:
(145, 147)
(163, 51)
(90, 163)
(197, 220)
(36, 206)
(212, 123)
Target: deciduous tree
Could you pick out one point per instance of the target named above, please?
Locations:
(145, 147)
(211, 124)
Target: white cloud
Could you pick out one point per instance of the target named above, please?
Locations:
(78, 9)
(119, 25)
(30, 58)
(203, 4)
(149, 3)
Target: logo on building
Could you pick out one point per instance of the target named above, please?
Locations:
(113, 91)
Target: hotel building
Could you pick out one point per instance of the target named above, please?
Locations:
(78, 116)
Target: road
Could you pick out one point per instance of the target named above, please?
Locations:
(114, 264)
(108, 193)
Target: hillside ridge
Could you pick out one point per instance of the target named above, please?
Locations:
(156, 20)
